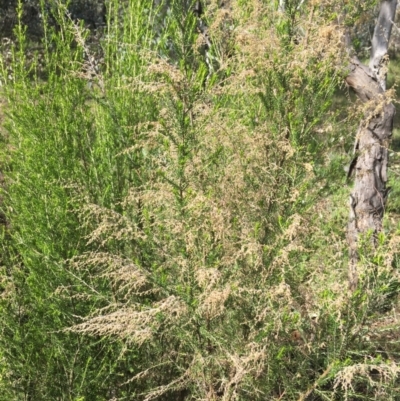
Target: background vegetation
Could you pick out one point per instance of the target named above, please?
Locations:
(175, 209)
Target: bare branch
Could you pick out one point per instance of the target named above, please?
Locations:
(380, 40)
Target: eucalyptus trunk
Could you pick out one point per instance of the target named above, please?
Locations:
(370, 163)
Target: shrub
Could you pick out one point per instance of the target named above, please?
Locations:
(170, 235)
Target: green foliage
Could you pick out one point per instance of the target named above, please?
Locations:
(170, 235)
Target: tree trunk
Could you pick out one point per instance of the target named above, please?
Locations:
(368, 199)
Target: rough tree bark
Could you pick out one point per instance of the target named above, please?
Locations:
(368, 199)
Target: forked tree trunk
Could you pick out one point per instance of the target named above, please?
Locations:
(368, 199)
